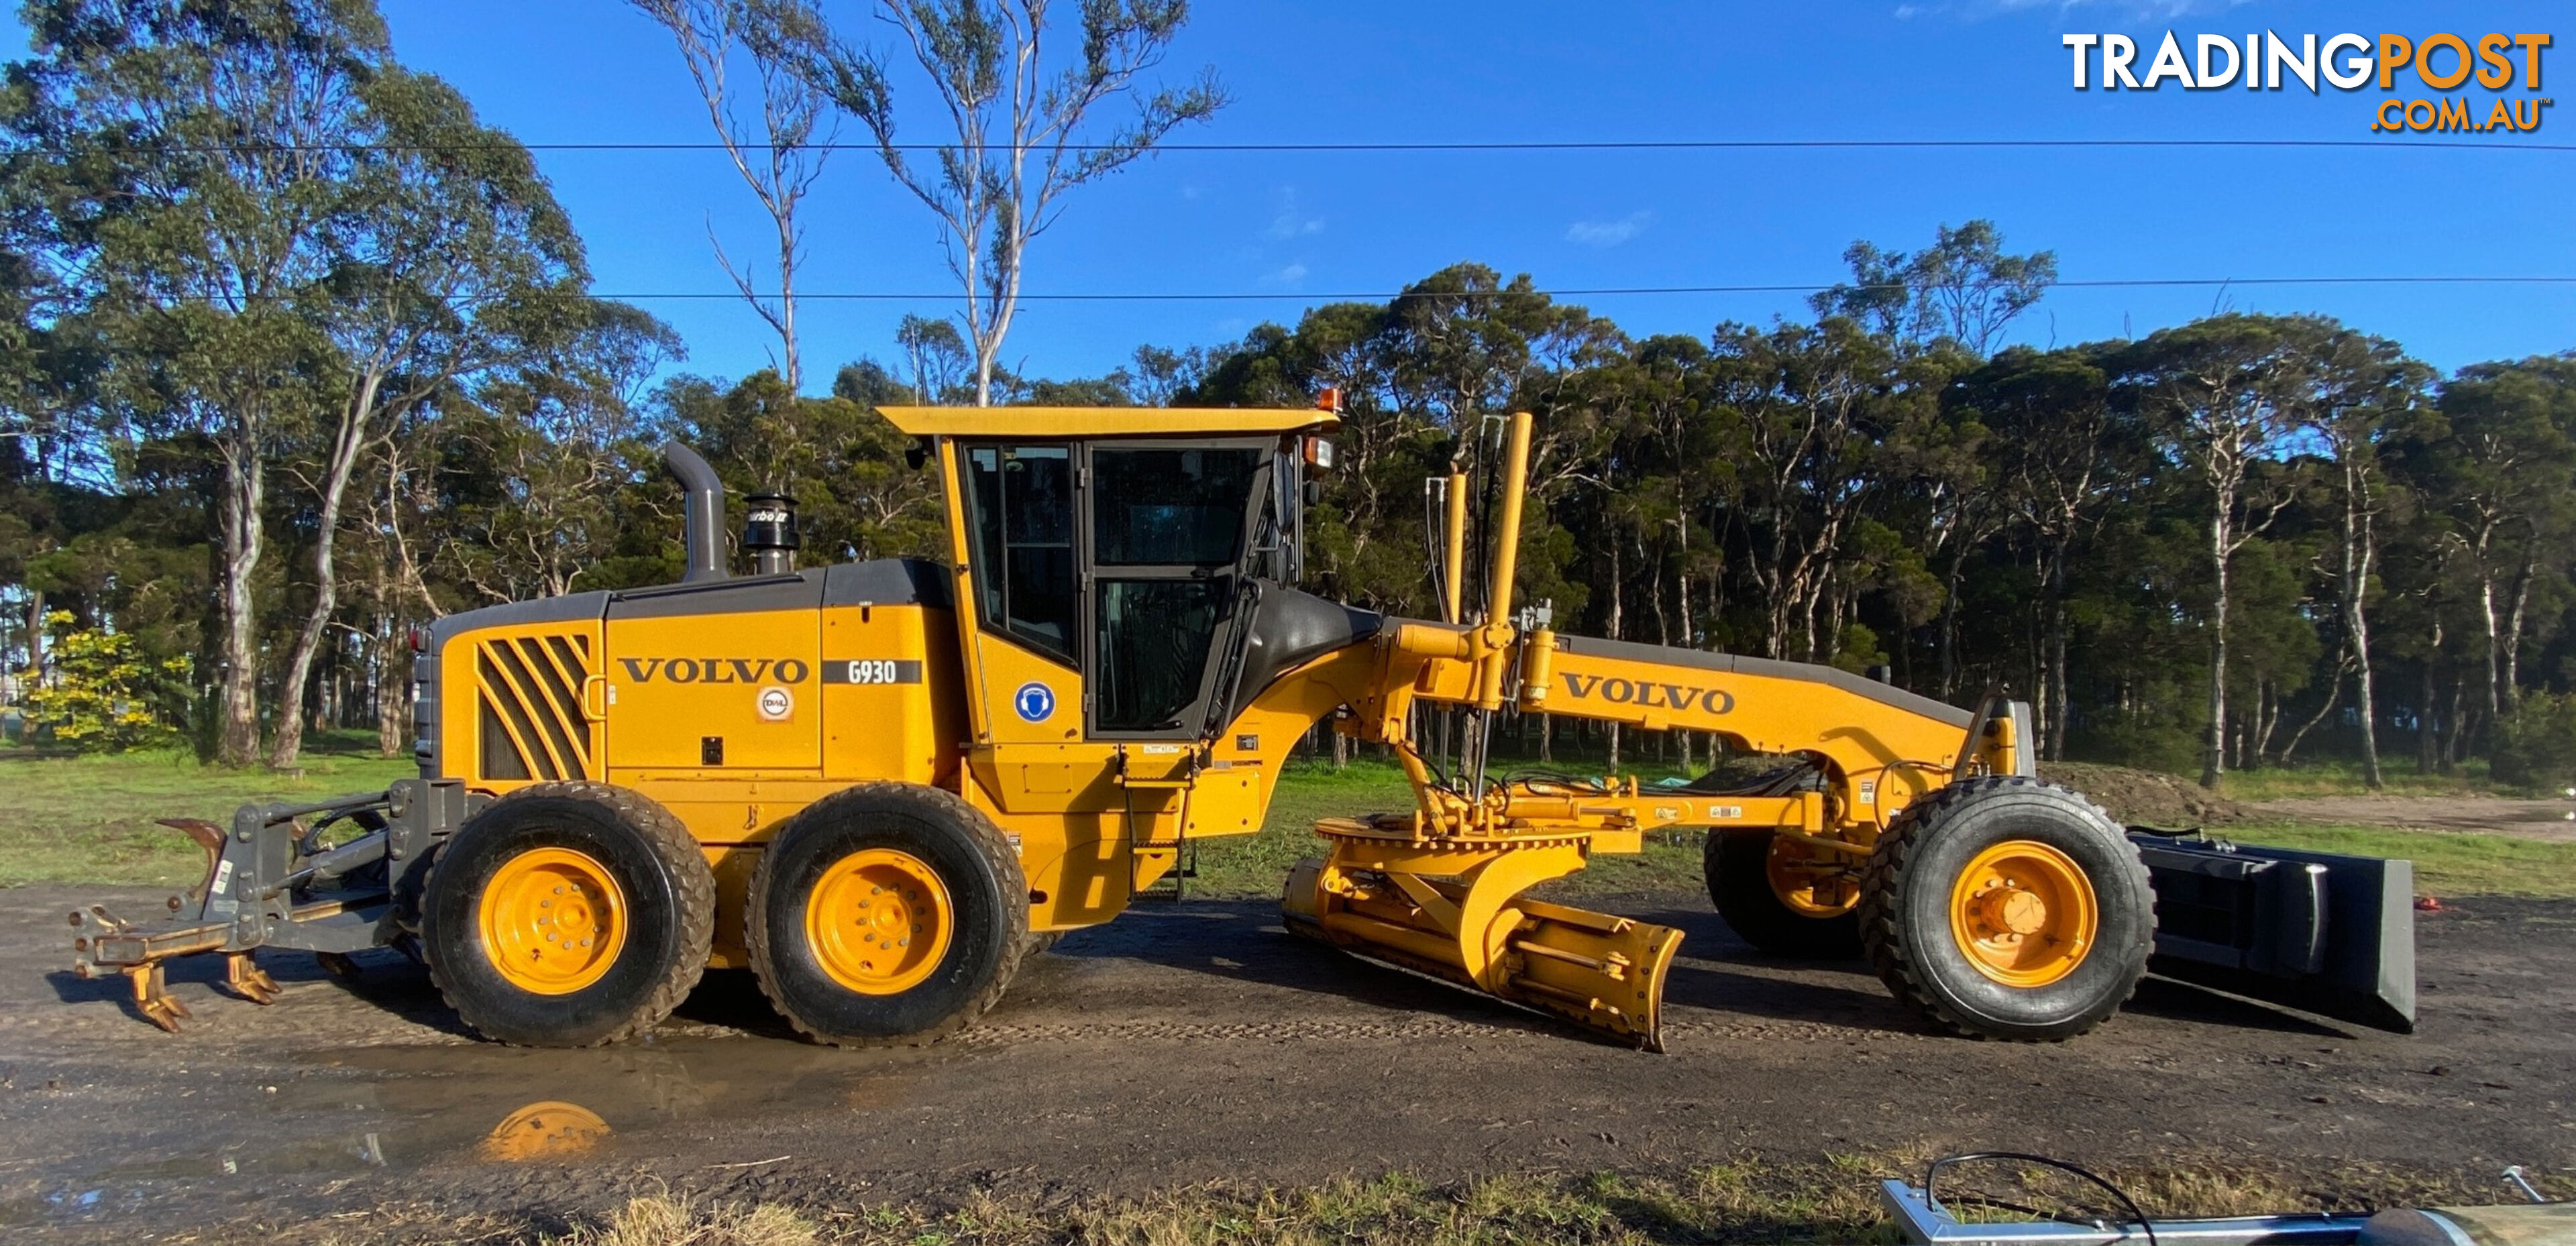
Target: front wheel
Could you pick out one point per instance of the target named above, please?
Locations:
(567, 915)
(2008, 908)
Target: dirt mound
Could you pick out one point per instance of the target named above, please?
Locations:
(2145, 797)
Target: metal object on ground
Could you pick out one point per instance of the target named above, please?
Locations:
(2326, 932)
(1920, 1220)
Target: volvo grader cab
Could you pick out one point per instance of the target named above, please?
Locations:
(879, 785)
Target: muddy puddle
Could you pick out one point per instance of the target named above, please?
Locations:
(317, 1117)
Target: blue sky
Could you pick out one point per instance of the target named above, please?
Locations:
(1306, 224)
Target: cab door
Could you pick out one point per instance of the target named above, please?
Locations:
(1022, 538)
(1171, 527)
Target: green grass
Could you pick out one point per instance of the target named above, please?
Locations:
(1254, 866)
(2341, 777)
(2445, 864)
(90, 819)
(1747, 1198)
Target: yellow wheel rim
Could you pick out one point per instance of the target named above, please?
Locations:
(2024, 913)
(553, 920)
(879, 921)
(1807, 881)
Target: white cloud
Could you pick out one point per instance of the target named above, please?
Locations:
(1609, 233)
(1290, 275)
(1904, 11)
(1291, 223)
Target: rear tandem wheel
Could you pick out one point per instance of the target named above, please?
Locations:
(887, 913)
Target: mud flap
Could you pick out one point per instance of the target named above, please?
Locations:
(2317, 931)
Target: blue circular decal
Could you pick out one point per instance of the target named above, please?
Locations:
(1034, 701)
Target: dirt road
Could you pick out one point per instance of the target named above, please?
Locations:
(1195, 1042)
(2544, 820)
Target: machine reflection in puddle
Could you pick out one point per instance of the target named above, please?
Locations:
(549, 1129)
(521, 1105)
(405, 1107)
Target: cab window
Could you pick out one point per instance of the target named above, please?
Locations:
(1022, 528)
(1170, 506)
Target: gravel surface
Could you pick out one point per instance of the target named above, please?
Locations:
(1196, 1042)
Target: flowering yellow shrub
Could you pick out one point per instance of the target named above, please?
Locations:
(103, 693)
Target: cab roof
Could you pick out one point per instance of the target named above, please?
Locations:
(1107, 421)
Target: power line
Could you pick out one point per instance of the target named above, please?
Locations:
(1401, 148)
(1381, 296)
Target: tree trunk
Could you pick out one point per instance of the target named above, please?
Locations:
(2214, 764)
(1618, 608)
(1950, 621)
(2062, 699)
(393, 688)
(237, 691)
(2494, 639)
(326, 578)
(2334, 696)
(2514, 622)
(2457, 728)
(2427, 737)
(2356, 627)
(35, 635)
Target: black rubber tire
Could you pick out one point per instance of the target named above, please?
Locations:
(974, 861)
(671, 906)
(1735, 864)
(1905, 901)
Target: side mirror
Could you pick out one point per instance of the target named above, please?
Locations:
(916, 454)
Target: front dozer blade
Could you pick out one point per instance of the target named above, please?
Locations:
(2318, 931)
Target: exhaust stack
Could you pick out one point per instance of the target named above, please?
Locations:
(704, 521)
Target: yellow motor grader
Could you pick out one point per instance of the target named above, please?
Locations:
(879, 785)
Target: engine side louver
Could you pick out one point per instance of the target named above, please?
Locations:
(532, 722)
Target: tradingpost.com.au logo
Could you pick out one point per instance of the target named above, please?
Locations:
(2444, 65)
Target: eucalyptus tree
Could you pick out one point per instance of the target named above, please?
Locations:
(2362, 393)
(527, 468)
(2506, 466)
(448, 259)
(2062, 454)
(1802, 411)
(1963, 287)
(200, 157)
(1021, 96)
(775, 132)
(2224, 397)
